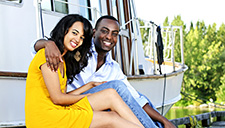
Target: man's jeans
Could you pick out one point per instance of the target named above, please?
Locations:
(122, 90)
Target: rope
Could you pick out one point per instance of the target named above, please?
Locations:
(164, 92)
(194, 122)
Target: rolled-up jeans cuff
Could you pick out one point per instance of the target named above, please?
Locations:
(142, 101)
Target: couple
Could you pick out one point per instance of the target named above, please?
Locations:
(100, 67)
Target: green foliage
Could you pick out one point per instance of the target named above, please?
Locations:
(166, 22)
(204, 55)
(221, 92)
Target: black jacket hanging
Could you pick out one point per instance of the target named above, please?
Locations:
(159, 48)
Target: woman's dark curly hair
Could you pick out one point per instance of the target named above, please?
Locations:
(57, 35)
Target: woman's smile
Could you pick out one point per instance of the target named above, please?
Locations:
(73, 44)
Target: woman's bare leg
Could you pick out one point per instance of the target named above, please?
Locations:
(105, 119)
(110, 99)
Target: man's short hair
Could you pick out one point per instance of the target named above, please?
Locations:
(105, 17)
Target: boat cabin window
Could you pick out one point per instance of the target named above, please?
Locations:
(55, 6)
(85, 11)
(68, 7)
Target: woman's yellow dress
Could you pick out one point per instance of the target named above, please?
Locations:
(41, 112)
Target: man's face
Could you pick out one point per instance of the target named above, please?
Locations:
(105, 37)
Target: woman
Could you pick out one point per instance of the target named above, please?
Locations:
(47, 104)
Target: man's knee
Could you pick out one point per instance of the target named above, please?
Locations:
(119, 82)
(111, 92)
(116, 84)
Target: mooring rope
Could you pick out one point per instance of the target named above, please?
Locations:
(194, 122)
(164, 93)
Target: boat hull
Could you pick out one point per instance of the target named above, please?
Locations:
(153, 86)
(12, 97)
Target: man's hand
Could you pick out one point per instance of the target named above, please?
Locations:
(154, 115)
(168, 124)
(53, 55)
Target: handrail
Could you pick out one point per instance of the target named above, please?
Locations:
(168, 46)
(170, 30)
(134, 44)
(181, 41)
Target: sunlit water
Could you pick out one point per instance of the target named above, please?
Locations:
(185, 112)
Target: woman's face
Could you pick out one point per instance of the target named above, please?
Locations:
(74, 38)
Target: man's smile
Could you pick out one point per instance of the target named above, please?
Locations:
(106, 43)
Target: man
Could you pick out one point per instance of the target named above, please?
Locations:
(101, 67)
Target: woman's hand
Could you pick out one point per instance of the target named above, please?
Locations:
(87, 94)
(94, 84)
(85, 87)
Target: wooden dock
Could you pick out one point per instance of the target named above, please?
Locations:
(205, 118)
(192, 121)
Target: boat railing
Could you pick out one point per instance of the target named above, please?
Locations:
(168, 37)
(134, 47)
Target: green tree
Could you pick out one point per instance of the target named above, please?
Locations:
(205, 56)
(220, 94)
(203, 47)
(205, 66)
(166, 22)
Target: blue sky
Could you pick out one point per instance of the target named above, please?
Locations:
(209, 11)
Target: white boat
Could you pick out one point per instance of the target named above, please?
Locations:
(21, 23)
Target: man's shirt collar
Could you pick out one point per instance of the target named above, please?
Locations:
(108, 60)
